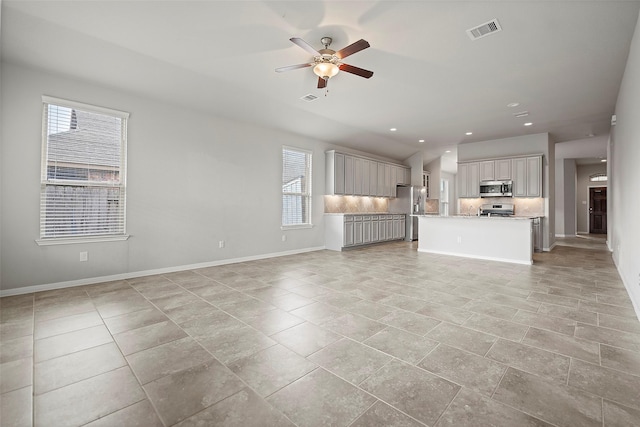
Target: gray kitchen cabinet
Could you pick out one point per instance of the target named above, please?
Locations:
(375, 235)
(503, 169)
(360, 176)
(389, 228)
(357, 176)
(469, 179)
(387, 180)
(382, 228)
(527, 176)
(534, 176)
(358, 230)
(366, 229)
(348, 175)
(335, 173)
(373, 178)
(366, 183)
(381, 180)
(487, 170)
(348, 231)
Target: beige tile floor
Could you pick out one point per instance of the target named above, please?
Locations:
(376, 336)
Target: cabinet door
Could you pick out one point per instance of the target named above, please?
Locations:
(357, 176)
(396, 228)
(348, 233)
(366, 230)
(382, 228)
(348, 175)
(387, 180)
(389, 222)
(407, 176)
(487, 170)
(375, 235)
(403, 225)
(366, 182)
(534, 176)
(519, 176)
(463, 180)
(357, 232)
(373, 178)
(503, 169)
(381, 180)
(473, 188)
(338, 173)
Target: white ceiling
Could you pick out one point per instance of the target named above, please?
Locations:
(561, 60)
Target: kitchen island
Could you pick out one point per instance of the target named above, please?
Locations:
(505, 239)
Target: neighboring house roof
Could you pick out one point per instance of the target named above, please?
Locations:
(96, 140)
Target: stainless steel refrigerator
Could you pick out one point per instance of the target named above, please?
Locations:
(410, 200)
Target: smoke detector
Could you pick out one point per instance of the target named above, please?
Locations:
(484, 30)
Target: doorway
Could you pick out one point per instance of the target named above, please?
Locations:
(598, 210)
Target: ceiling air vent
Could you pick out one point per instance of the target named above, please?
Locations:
(521, 114)
(309, 98)
(485, 29)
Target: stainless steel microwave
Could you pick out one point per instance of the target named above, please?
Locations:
(496, 188)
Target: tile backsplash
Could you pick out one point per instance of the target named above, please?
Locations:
(355, 204)
(533, 206)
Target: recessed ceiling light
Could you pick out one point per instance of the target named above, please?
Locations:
(513, 104)
(469, 133)
(393, 129)
(604, 160)
(421, 140)
(448, 151)
(528, 124)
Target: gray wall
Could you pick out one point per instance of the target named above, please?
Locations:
(582, 193)
(625, 175)
(565, 197)
(193, 180)
(522, 146)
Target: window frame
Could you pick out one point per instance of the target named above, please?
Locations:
(308, 195)
(45, 181)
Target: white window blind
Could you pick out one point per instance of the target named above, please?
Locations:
(296, 187)
(83, 171)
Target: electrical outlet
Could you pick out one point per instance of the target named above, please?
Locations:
(84, 256)
(221, 244)
(284, 237)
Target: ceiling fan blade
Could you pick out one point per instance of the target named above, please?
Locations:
(322, 83)
(306, 46)
(352, 48)
(292, 67)
(355, 70)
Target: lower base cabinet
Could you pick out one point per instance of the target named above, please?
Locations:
(343, 231)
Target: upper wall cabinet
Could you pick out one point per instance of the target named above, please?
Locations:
(358, 176)
(526, 173)
(492, 170)
(469, 179)
(527, 176)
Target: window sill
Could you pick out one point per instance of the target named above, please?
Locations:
(294, 227)
(76, 240)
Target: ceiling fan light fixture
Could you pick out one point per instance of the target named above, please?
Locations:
(326, 70)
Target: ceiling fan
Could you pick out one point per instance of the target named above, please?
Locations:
(327, 62)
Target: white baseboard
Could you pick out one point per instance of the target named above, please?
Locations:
(123, 276)
(628, 287)
(565, 235)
